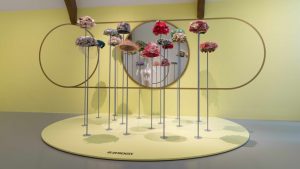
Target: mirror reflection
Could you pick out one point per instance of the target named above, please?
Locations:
(159, 71)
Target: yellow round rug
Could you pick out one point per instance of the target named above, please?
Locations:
(144, 144)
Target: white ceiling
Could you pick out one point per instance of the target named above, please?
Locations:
(12, 5)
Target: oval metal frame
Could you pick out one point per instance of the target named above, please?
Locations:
(183, 88)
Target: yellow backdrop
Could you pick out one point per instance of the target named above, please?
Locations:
(273, 95)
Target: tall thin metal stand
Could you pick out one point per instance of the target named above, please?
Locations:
(98, 89)
(87, 96)
(164, 104)
(160, 93)
(85, 77)
(151, 113)
(140, 80)
(207, 101)
(178, 90)
(198, 91)
(127, 101)
(109, 79)
(115, 85)
(123, 71)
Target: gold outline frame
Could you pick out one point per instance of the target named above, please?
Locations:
(170, 88)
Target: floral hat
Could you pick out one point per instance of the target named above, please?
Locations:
(86, 41)
(100, 44)
(114, 40)
(128, 46)
(208, 47)
(199, 26)
(151, 50)
(86, 22)
(178, 35)
(167, 44)
(160, 28)
(160, 41)
(123, 28)
(110, 32)
(141, 44)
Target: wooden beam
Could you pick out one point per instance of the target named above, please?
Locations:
(200, 9)
(72, 10)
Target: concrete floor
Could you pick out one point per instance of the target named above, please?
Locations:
(273, 145)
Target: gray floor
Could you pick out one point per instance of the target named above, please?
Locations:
(273, 145)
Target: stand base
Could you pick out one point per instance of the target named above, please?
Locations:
(164, 137)
(143, 144)
(86, 135)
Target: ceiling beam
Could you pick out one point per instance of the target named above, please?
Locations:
(200, 9)
(72, 10)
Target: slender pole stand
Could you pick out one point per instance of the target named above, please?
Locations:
(198, 91)
(207, 102)
(156, 75)
(151, 113)
(123, 71)
(109, 79)
(140, 80)
(85, 77)
(178, 85)
(87, 97)
(98, 89)
(167, 78)
(115, 85)
(127, 101)
(160, 93)
(174, 78)
(164, 104)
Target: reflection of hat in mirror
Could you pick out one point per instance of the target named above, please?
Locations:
(128, 46)
(156, 63)
(123, 28)
(86, 41)
(182, 53)
(86, 22)
(140, 63)
(165, 62)
(167, 44)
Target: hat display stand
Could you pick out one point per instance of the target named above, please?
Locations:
(132, 137)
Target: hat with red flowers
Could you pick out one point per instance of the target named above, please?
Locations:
(160, 28)
(151, 50)
(199, 26)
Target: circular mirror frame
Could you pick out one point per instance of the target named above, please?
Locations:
(183, 72)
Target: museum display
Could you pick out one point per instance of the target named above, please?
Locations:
(154, 55)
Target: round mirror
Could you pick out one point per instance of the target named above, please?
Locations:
(156, 72)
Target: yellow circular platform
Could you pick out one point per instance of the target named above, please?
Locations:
(144, 144)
